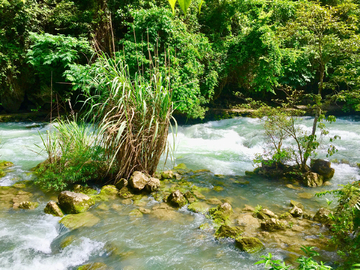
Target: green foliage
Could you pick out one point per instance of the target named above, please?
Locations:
(305, 262)
(174, 49)
(51, 55)
(346, 222)
(74, 156)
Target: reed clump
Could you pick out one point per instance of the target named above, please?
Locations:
(129, 120)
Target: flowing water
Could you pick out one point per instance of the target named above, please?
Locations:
(30, 239)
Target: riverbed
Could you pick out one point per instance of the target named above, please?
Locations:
(31, 239)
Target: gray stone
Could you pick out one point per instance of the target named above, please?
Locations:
(177, 199)
(74, 203)
(53, 208)
(138, 180)
(153, 184)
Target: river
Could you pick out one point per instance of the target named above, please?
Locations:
(30, 239)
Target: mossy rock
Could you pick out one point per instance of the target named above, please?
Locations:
(218, 188)
(5, 164)
(198, 195)
(52, 208)
(215, 201)
(199, 207)
(28, 205)
(94, 266)
(297, 204)
(323, 216)
(205, 227)
(103, 207)
(190, 197)
(136, 213)
(286, 215)
(273, 224)
(249, 244)
(85, 190)
(200, 189)
(177, 199)
(67, 241)
(221, 213)
(2, 173)
(74, 221)
(109, 191)
(226, 231)
(125, 193)
(74, 203)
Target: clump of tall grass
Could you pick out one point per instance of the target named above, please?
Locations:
(74, 155)
(132, 114)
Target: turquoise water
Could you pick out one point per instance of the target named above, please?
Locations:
(32, 239)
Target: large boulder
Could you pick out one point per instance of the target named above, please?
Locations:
(249, 244)
(176, 199)
(74, 203)
(323, 216)
(273, 224)
(53, 208)
(138, 180)
(221, 213)
(228, 231)
(323, 168)
(312, 179)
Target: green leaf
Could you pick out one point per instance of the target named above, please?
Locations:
(172, 4)
(200, 4)
(184, 5)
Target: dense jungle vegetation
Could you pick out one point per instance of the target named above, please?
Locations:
(126, 62)
(253, 48)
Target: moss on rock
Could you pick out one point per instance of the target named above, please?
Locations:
(74, 221)
(199, 207)
(228, 231)
(249, 244)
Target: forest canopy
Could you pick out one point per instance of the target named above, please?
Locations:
(252, 47)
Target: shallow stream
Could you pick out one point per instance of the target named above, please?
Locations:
(30, 239)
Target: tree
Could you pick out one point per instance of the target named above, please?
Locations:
(320, 32)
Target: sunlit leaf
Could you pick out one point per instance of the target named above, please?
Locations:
(184, 5)
(172, 4)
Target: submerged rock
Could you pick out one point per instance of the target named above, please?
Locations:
(176, 199)
(135, 213)
(249, 244)
(79, 220)
(190, 197)
(199, 207)
(74, 203)
(5, 164)
(228, 231)
(164, 212)
(323, 168)
(94, 266)
(28, 205)
(273, 224)
(323, 216)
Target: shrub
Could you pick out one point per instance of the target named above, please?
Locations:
(74, 155)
